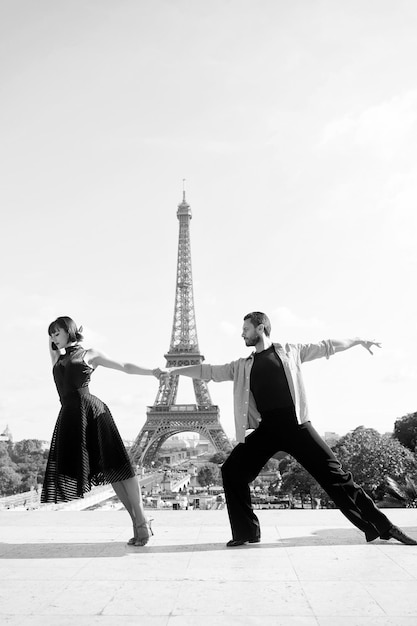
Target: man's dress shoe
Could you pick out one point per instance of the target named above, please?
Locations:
(396, 533)
(233, 543)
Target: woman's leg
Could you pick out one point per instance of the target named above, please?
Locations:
(134, 497)
(129, 494)
(143, 527)
(122, 495)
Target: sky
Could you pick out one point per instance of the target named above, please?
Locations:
(294, 125)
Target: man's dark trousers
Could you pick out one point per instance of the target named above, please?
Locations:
(279, 431)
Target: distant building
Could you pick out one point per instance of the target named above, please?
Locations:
(6, 435)
(205, 447)
(172, 457)
(175, 443)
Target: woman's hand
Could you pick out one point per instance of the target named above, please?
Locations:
(53, 351)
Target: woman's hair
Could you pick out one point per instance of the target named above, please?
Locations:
(67, 324)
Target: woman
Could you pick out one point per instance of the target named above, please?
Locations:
(86, 447)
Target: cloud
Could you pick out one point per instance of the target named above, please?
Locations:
(228, 328)
(38, 312)
(223, 147)
(285, 317)
(400, 375)
(93, 337)
(398, 221)
(384, 128)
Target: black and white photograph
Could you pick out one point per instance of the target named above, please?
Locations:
(196, 192)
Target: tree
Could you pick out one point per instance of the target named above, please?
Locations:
(27, 447)
(272, 465)
(284, 462)
(405, 430)
(10, 480)
(218, 458)
(23, 465)
(30, 460)
(298, 482)
(209, 475)
(406, 494)
(371, 457)
(4, 452)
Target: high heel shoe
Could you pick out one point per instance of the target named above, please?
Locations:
(133, 539)
(142, 541)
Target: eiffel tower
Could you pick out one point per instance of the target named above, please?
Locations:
(166, 418)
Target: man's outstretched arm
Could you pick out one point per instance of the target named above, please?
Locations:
(216, 373)
(344, 344)
(327, 347)
(193, 371)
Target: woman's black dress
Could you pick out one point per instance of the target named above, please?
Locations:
(86, 447)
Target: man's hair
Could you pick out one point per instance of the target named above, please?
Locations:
(256, 318)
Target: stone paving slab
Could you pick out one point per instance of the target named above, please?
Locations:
(312, 568)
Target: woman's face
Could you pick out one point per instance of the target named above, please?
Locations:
(60, 337)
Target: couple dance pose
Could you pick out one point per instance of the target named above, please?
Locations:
(269, 401)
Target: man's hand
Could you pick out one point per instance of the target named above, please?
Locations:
(163, 374)
(368, 345)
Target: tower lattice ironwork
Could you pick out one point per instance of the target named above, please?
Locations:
(166, 418)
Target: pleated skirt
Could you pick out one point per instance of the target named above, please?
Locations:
(86, 450)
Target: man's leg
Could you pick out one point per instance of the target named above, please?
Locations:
(242, 467)
(318, 459)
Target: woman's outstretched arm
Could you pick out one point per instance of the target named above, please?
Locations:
(95, 358)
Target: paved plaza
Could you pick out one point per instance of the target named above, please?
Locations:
(312, 568)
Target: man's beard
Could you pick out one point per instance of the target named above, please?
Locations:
(253, 341)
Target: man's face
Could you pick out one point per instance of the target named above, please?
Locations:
(250, 333)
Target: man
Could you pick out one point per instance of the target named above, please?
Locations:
(270, 400)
